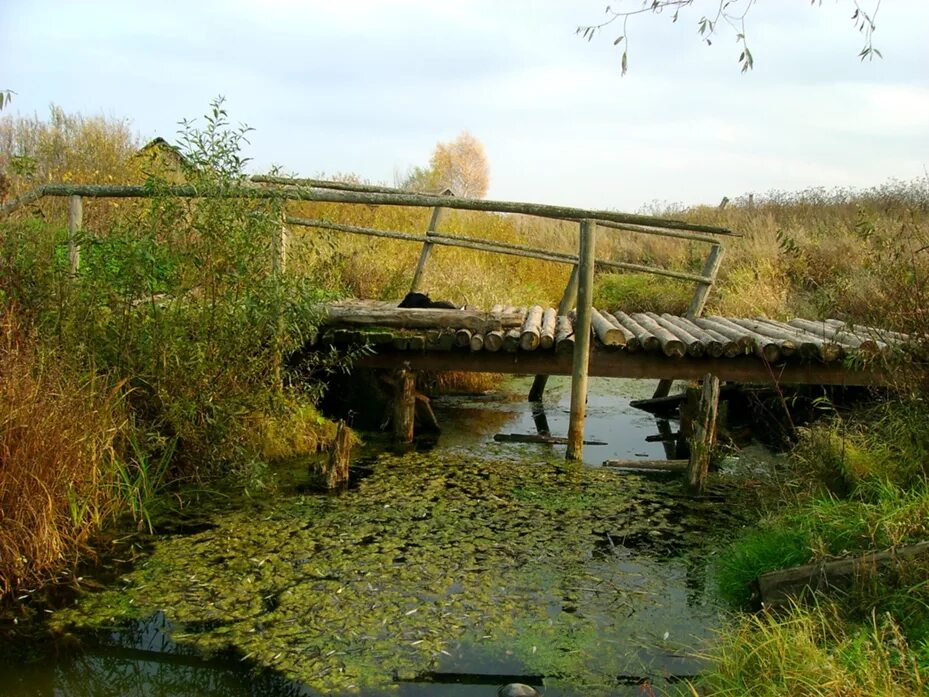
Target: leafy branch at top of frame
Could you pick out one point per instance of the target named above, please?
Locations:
(728, 13)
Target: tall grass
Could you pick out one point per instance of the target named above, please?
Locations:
(60, 437)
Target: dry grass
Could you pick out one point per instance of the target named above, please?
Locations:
(58, 460)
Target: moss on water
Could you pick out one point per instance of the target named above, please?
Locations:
(552, 569)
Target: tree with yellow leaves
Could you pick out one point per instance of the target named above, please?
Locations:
(459, 165)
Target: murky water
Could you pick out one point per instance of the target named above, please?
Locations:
(448, 572)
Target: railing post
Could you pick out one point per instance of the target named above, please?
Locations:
(568, 299)
(75, 221)
(417, 283)
(710, 269)
(585, 287)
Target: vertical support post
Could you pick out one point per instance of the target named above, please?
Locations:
(279, 250)
(710, 269)
(703, 439)
(568, 299)
(585, 287)
(75, 221)
(404, 416)
(417, 284)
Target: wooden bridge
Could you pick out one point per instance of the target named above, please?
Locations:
(575, 338)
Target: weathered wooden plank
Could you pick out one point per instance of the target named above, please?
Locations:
(547, 334)
(419, 318)
(695, 347)
(763, 346)
(531, 333)
(646, 339)
(671, 346)
(606, 331)
(659, 465)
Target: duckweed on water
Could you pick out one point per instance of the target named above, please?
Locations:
(542, 568)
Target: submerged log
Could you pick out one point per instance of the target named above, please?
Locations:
(531, 333)
(671, 346)
(647, 340)
(538, 438)
(340, 453)
(660, 465)
(695, 347)
(606, 331)
(425, 417)
(780, 587)
(547, 334)
(703, 440)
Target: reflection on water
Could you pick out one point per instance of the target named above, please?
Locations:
(447, 573)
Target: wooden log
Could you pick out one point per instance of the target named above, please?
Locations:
(568, 299)
(425, 417)
(511, 340)
(401, 343)
(670, 405)
(496, 309)
(790, 343)
(825, 349)
(75, 221)
(659, 465)
(693, 345)
(886, 335)
(493, 341)
(782, 587)
(419, 318)
(840, 334)
(426, 251)
(582, 330)
(671, 346)
(710, 269)
(477, 342)
(712, 345)
(417, 343)
(631, 342)
(538, 438)
(340, 452)
(564, 335)
(606, 331)
(730, 347)
(703, 441)
(646, 339)
(463, 338)
(763, 346)
(442, 340)
(547, 332)
(531, 333)
(404, 412)
(735, 334)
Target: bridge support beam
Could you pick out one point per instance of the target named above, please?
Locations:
(585, 289)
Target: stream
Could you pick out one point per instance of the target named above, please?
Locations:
(447, 571)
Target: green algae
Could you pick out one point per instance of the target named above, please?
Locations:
(568, 572)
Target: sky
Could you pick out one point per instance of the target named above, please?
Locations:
(370, 88)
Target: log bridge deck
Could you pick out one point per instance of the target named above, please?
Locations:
(538, 341)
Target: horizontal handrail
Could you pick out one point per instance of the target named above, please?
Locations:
(492, 246)
(389, 198)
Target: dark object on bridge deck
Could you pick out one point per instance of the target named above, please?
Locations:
(703, 438)
(659, 465)
(780, 587)
(538, 438)
(422, 300)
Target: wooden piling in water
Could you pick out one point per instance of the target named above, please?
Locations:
(582, 324)
(703, 438)
(404, 411)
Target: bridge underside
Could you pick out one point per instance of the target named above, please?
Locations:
(616, 364)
